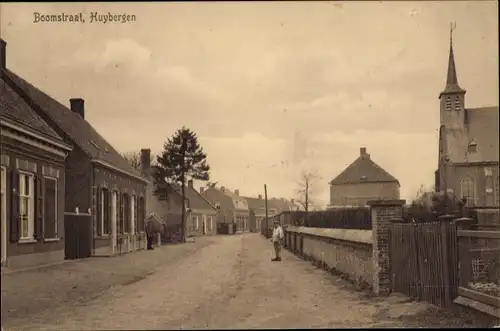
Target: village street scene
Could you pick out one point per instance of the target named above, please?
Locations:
(249, 165)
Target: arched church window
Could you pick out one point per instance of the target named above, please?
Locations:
(448, 103)
(457, 103)
(467, 188)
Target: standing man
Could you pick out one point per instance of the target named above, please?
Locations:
(276, 239)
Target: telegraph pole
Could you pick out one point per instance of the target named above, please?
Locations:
(267, 220)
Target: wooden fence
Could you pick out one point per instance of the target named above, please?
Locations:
(424, 262)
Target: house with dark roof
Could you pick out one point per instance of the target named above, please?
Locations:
(32, 182)
(362, 181)
(257, 210)
(233, 208)
(468, 146)
(200, 213)
(98, 180)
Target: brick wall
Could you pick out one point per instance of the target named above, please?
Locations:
(360, 194)
(383, 212)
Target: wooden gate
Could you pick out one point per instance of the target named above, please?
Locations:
(424, 263)
(78, 236)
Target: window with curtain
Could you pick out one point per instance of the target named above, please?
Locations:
(467, 187)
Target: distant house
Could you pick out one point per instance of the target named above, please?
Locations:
(257, 208)
(32, 182)
(200, 213)
(232, 207)
(168, 205)
(362, 181)
(202, 217)
(98, 179)
(468, 160)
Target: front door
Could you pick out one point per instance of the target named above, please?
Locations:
(204, 224)
(3, 213)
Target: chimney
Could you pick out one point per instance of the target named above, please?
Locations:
(237, 192)
(3, 54)
(260, 196)
(77, 105)
(202, 189)
(363, 153)
(145, 161)
(223, 189)
(190, 183)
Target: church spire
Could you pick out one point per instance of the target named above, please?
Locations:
(451, 77)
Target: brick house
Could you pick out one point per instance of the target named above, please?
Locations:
(468, 160)
(362, 181)
(257, 210)
(232, 207)
(32, 185)
(98, 179)
(202, 216)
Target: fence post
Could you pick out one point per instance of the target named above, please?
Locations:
(382, 212)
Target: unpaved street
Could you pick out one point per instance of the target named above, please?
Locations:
(218, 282)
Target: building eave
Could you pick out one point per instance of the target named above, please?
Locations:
(110, 166)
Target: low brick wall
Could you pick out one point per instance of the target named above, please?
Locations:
(347, 252)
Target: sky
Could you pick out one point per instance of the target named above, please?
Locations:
(270, 88)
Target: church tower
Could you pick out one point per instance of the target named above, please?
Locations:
(452, 99)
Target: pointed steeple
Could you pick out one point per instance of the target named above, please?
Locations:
(451, 77)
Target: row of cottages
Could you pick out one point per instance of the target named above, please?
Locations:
(362, 181)
(201, 215)
(55, 165)
(468, 158)
(233, 208)
(257, 210)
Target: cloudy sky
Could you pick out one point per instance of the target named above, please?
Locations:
(270, 88)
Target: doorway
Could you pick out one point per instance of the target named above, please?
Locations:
(3, 213)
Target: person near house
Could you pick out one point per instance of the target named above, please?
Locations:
(149, 234)
(276, 239)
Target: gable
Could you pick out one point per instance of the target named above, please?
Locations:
(363, 170)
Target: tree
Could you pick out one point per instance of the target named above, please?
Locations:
(134, 159)
(182, 159)
(428, 205)
(306, 192)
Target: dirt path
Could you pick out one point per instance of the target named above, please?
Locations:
(233, 284)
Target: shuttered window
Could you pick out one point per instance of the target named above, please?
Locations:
(50, 208)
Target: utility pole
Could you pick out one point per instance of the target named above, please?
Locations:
(267, 220)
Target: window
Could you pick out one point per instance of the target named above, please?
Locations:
(497, 190)
(140, 214)
(194, 224)
(105, 213)
(457, 103)
(126, 213)
(217, 205)
(467, 187)
(3, 210)
(472, 148)
(50, 208)
(133, 218)
(448, 103)
(209, 221)
(26, 206)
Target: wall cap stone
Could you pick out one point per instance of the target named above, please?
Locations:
(360, 236)
(386, 203)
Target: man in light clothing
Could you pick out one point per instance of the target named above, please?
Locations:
(277, 238)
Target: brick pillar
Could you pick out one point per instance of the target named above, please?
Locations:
(382, 213)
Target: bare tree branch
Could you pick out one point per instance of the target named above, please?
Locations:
(306, 191)
(134, 159)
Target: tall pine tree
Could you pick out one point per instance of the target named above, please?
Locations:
(182, 159)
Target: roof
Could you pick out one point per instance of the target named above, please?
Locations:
(14, 108)
(363, 170)
(75, 127)
(196, 200)
(259, 204)
(481, 127)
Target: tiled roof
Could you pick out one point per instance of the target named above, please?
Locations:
(481, 127)
(78, 130)
(363, 170)
(197, 201)
(13, 107)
